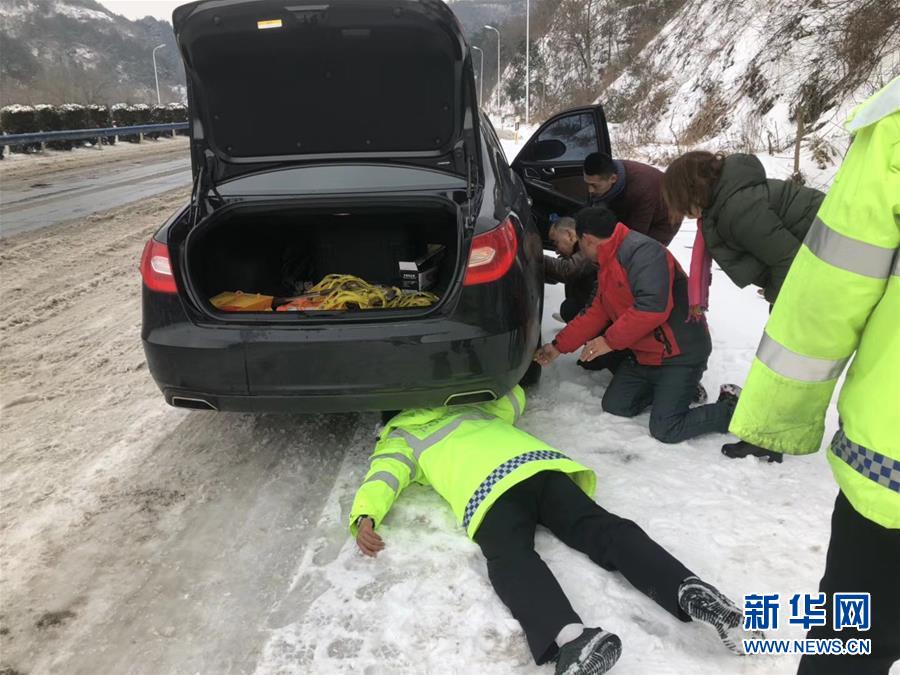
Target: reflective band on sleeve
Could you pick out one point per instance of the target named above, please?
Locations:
(420, 445)
(847, 253)
(896, 271)
(796, 366)
(873, 465)
(403, 459)
(384, 477)
(514, 402)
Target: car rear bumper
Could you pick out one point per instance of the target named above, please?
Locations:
(391, 366)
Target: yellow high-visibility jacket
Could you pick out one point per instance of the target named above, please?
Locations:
(469, 454)
(842, 295)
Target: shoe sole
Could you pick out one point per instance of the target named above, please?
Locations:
(600, 655)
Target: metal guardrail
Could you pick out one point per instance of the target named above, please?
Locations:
(81, 134)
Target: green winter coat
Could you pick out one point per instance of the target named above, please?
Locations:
(469, 454)
(754, 226)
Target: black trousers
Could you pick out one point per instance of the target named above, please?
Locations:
(669, 391)
(862, 557)
(527, 586)
(570, 308)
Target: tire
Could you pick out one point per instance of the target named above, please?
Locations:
(532, 376)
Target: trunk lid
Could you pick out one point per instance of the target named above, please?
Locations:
(274, 83)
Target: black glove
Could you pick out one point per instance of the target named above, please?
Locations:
(743, 449)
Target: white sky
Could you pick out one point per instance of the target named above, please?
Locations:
(137, 9)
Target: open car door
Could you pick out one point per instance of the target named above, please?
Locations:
(551, 163)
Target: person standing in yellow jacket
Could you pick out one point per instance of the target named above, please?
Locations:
(841, 299)
(501, 482)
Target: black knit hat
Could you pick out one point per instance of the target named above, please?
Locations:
(596, 220)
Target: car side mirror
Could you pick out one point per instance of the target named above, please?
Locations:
(543, 151)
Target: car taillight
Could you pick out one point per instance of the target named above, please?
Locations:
(156, 268)
(492, 254)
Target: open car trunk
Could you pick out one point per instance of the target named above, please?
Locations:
(282, 251)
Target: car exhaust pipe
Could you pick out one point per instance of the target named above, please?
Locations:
(479, 396)
(192, 403)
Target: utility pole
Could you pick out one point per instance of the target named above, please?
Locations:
(480, 76)
(497, 86)
(156, 74)
(527, 58)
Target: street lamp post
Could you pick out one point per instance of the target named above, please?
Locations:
(156, 74)
(527, 57)
(480, 76)
(497, 86)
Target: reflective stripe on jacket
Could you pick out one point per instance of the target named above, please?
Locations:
(842, 295)
(469, 454)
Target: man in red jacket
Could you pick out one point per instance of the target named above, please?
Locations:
(642, 305)
(633, 191)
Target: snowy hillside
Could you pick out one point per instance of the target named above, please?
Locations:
(736, 75)
(731, 75)
(63, 51)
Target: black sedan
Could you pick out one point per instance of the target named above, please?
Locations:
(346, 139)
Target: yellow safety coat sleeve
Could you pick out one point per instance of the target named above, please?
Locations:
(839, 280)
(392, 467)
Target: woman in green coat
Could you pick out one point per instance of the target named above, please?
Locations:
(750, 225)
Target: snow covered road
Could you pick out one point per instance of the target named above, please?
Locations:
(139, 538)
(39, 191)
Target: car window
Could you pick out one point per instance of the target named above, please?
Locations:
(486, 124)
(577, 132)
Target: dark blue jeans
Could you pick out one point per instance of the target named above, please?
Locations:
(668, 391)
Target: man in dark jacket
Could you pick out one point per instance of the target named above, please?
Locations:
(641, 304)
(633, 191)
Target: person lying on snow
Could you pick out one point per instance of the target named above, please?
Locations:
(641, 305)
(501, 483)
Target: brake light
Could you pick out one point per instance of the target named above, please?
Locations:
(156, 268)
(492, 254)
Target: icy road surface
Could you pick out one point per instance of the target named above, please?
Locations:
(39, 191)
(139, 538)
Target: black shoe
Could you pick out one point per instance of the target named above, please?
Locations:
(743, 449)
(729, 392)
(703, 602)
(593, 652)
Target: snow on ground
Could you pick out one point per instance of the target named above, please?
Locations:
(144, 539)
(425, 604)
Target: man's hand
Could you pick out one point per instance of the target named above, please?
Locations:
(546, 355)
(367, 539)
(695, 313)
(594, 348)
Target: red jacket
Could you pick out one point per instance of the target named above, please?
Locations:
(641, 304)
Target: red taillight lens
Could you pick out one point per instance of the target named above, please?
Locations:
(492, 254)
(156, 268)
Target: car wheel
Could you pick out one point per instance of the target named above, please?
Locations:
(532, 376)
